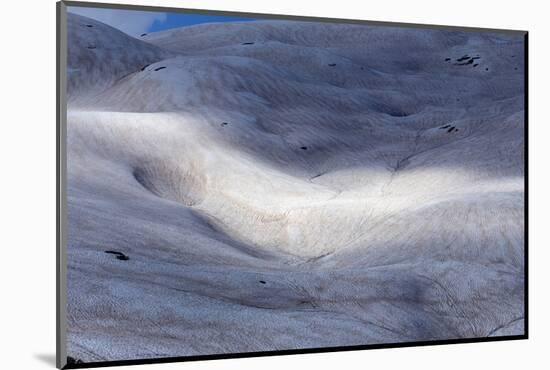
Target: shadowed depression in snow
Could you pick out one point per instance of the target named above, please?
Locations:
(267, 185)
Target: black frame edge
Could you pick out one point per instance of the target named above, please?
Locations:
(526, 183)
(292, 352)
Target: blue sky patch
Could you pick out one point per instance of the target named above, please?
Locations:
(137, 22)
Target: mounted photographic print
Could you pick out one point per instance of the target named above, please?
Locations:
(234, 184)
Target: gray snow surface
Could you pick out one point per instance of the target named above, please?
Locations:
(280, 185)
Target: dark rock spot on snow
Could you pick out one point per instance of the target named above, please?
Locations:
(516, 68)
(145, 66)
(447, 59)
(119, 255)
(91, 46)
(486, 69)
(73, 361)
(262, 282)
(396, 113)
(303, 147)
(247, 43)
(224, 123)
(89, 25)
(449, 128)
(332, 64)
(159, 68)
(465, 63)
(466, 59)
(318, 175)
(143, 34)
(475, 65)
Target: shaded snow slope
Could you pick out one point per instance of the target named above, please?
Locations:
(282, 185)
(100, 55)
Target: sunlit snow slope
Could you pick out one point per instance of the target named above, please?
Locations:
(279, 185)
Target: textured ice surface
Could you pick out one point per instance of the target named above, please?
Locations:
(279, 185)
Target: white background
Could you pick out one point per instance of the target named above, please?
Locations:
(27, 186)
